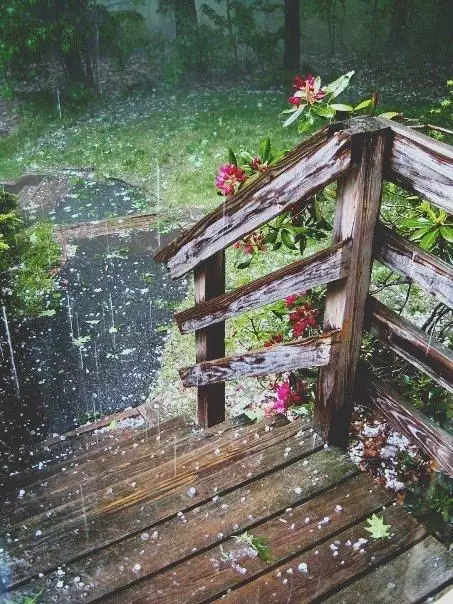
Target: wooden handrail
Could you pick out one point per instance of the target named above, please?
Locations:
(359, 153)
(321, 268)
(409, 260)
(309, 352)
(421, 164)
(412, 344)
(432, 439)
(308, 168)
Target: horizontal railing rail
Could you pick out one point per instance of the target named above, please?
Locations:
(360, 154)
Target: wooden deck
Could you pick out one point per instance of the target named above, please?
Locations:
(148, 515)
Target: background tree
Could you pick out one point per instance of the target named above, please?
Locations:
(291, 55)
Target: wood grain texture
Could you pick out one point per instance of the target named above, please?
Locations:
(306, 169)
(409, 578)
(209, 277)
(199, 528)
(218, 569)
(432, 439)
(107, 517)
(321, 268)
(409, 342)
(327, 572)
(409, 260)
(421, 164)
(309, 352)
(356, 214)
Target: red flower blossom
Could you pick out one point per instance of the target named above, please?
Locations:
(290, 301)
(303, 317)
(252, 243)
(307, 90)
(229, 178)
(275, 338)
(257, 165)
(286, 396)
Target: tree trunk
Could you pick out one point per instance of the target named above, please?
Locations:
(185, 17)
(291, 57)
(398, 20)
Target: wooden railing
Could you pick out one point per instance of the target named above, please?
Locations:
(360, 155)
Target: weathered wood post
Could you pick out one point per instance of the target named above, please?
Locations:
(356, 214)
(209, 278)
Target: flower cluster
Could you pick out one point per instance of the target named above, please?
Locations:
(286, 396)
(229, 178)
(257, 165)
(302, 317)
(307, 90)
(252, 243)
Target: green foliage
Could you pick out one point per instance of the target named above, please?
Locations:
(377, 528)
(34, 287)
(259, 544)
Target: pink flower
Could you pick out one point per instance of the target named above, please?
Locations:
(291, 300)
(287, 397)
(229, 178)
(257, 165)
(303, 317)
(307, 90)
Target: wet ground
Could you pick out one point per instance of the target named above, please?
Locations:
(101, 349)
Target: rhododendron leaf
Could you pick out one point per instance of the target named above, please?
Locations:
(341, 107)
(244, 261)
(277, 245)
(418, 234)
(302, 410)
(323, 111)
(390, 114)
(271, 237)
(428, 240)
(232, 157)
(447, 233)
(293, 117)
(337, 86)
(363, 105)
(413, 222)
(377, 528)
(302, 244)
(265, 148)
(288, 239)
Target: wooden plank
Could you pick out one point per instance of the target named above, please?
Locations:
(56, 464)
(223, 515)
(93, 476)
(356, 214)
(108, 517)
(230, 564)
(434, 441)
(321, 268)
(414, 575)
(421, 164)
(209, 278)
(309, 352)
(306, 169)
(326, 571)
(409, 260)
(412, 344)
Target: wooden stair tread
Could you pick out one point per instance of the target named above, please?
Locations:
(169, 539)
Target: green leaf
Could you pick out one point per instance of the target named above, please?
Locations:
(271, 237)
(428, 241)
(413, 223)
(323, 110)
(294, 116)
(390, 114)
(48, 313)
(265, 148)
(447, 233)
(259, 544)
(288, 239)
(244, 261)
(302, 244)
(377, 528)
(341, 107)
(232, 157)
(363, 105)
(419, 233)
(336, 87)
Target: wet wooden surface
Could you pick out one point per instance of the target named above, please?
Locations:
(157, 524)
